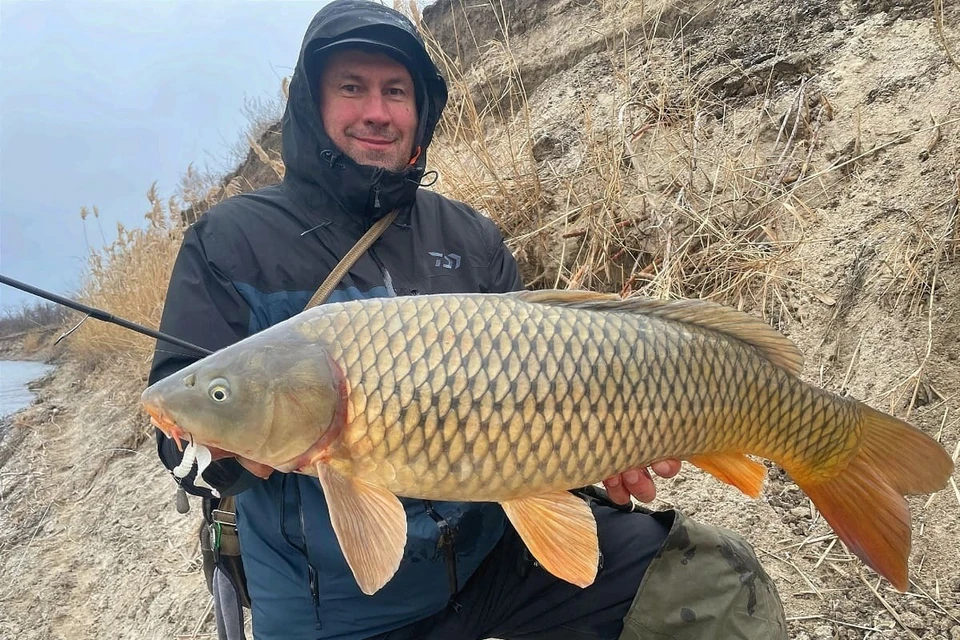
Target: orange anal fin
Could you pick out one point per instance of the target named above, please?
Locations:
(560, 531)
(370, 524)
(733, 468)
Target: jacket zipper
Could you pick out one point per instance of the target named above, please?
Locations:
(313, 575)
(376, 190)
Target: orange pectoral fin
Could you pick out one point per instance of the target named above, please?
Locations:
(560, 531)
(370, 524)
(733, 468)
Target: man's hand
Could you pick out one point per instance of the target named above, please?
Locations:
(638, 481)
(257, 469)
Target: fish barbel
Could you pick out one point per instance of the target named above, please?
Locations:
(516, 398)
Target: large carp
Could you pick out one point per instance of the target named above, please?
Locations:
(515, 398)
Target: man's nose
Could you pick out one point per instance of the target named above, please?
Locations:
(376, 110)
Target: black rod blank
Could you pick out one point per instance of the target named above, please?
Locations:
(102, 315)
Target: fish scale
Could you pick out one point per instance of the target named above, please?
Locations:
(516, 398)
(598, 408)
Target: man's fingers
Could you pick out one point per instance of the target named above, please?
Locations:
(616, 491)
(256, 468)
(639, 483)
(666, 468)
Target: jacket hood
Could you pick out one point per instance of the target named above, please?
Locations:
(314, 166)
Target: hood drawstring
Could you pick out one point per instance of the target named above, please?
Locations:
(418, 178)
(435, 175)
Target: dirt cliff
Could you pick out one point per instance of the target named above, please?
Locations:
(810, 153)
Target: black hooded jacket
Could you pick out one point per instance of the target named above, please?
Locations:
(255, 260)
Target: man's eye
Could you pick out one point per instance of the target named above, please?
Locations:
(350, 88)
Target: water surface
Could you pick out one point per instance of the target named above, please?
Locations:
(14, 377)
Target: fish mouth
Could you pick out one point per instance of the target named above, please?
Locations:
(166, 424)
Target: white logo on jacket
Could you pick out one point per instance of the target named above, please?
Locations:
(446, 260)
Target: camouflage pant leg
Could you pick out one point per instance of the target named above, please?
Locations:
(706, 582)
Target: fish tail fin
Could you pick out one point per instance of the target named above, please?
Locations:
(865, 504)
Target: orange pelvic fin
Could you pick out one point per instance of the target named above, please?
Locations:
(733, 468)
(560, 531)
(864, 503)
(370, 524)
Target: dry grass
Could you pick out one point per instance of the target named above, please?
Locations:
(493, 170)
(938, 11)
(260, 113)
(664, 198)
(954, 216)
(128, 278)
(911, 264)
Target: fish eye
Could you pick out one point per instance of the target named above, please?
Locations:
(219, 390)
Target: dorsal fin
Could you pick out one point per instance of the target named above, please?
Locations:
(564, 297)
(771, 344)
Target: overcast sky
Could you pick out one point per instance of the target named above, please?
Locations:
(100, 99)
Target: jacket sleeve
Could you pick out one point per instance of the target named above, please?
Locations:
(504, 272)
(203, 307)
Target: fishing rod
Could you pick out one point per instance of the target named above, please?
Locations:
(101, 315)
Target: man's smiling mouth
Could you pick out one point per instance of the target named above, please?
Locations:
(375, 142)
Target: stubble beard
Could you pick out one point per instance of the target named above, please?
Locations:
(393, 159)
(383, 159)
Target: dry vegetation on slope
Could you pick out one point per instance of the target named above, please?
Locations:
(799, 159)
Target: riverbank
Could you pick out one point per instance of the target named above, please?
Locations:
(91, 544)
(19, 382)
(34, 348)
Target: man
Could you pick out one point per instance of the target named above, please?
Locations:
(363, 104)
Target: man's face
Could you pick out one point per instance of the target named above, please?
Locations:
(369, 108)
